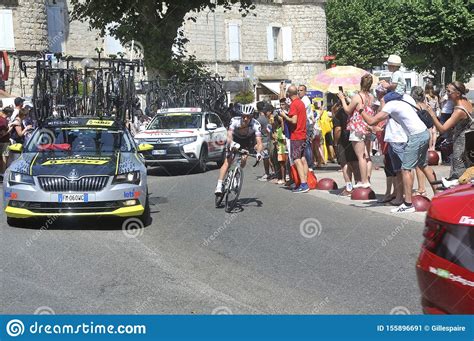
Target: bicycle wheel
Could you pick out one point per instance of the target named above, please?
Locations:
(233, 189)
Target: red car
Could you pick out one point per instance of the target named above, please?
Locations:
(445, 267)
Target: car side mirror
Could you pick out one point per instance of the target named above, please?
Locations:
(16, 148)
(144, 147)
(211, 126)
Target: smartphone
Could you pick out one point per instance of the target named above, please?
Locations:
(340, 89)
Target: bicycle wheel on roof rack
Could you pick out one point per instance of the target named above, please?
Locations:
(233, 189)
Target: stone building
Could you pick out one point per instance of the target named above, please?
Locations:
(31, 28)
(279, 40)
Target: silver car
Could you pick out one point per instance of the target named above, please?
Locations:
(77, 167)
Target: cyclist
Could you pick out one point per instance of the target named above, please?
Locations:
(244, 131)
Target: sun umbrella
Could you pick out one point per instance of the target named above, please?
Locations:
(346, 76)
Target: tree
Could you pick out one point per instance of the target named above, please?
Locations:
(442, 36)
(153, 23)
(362, 32)
(427, 34)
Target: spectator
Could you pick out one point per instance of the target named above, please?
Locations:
(397, 81)
(432, 100)
(4, 140)
(415, 153)
(346, 156)
(359, 132)
(18, 106)
(281, 149)
(325, 123)
(309, 123)
(297, 119)
(262, 108)
(460, 121)
(318, 151)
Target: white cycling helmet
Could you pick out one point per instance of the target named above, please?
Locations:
(246, 109)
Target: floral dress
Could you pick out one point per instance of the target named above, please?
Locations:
(357, 123)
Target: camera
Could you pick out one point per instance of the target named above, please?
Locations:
(276, 113)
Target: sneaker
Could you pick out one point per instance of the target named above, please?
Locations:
(447, 183)
(404, 209)
(263, 178)
(362, 185)
(281, 182)
(301, 189)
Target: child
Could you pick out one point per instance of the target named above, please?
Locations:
(397, 82)
(281, 149)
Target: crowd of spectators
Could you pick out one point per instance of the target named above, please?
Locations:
(387, 121)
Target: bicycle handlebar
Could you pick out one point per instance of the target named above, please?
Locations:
(246, 152)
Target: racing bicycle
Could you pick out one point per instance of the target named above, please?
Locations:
(233, 181)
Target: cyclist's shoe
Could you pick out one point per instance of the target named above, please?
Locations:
(303, 188)
(218, 190)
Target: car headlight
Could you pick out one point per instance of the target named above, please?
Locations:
(20, 178)
(138, 141)
(185, 140)
(127, 178)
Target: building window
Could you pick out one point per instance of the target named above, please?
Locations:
(279, 44)
(7, 40)
(276, 36)
(234, 42)
(56, 28)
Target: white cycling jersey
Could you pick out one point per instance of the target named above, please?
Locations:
(254, 129)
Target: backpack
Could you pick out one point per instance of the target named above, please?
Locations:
(424, 115)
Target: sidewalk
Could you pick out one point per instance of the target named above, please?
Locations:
(378, 186)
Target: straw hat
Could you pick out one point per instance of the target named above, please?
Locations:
(395, 60)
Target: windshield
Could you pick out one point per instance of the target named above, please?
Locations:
(92, 140)
(176, 121)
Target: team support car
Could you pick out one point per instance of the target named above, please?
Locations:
(184, 136)
(77, 166)
(445, 267)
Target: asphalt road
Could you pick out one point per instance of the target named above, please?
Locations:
(281, 253)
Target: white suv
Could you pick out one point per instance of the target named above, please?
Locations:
(184, 136)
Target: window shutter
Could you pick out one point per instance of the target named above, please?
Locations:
(55, 29)
(287, 44)
(7, 40)
(234, 42)
(270, 46)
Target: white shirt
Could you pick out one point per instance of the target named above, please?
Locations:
(307, 105)
(394, 132)
(405, 115)
(399, 78)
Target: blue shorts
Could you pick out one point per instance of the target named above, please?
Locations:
(416, 151)
(395, 151)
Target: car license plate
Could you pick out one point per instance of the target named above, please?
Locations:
(73, 197)
(158, 152)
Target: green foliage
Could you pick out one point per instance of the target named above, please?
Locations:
(428, 34)
(153, 23)
(244, 97)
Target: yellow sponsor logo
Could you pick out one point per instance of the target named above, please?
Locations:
(75, 161)
(99, 123)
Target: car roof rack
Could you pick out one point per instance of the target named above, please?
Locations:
(102, 92)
